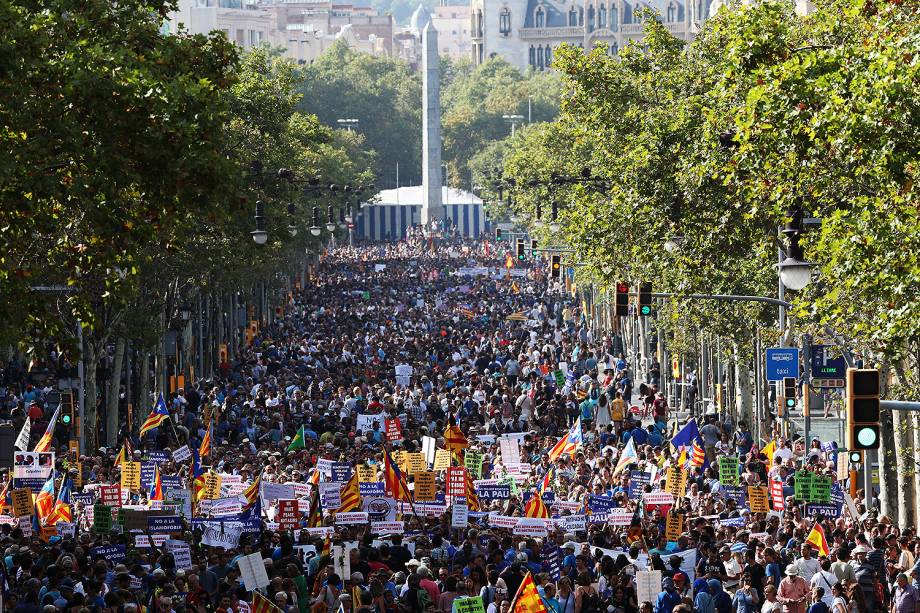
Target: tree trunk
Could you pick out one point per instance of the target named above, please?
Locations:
(143, 392)
(887, 456)
(160, 356)
(111, 409)
(902, 445)
(743, 388)
(913, 468)
(89, 378)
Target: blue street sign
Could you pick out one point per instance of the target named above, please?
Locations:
(825, 365)
(782, 362)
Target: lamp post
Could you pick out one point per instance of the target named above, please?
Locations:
(259, 235)
(513, 120)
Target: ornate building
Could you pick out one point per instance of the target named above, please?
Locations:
(525, 32)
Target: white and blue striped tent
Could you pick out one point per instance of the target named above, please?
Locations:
(393, 211)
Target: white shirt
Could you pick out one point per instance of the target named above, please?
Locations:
(808, 568)
(825, 580)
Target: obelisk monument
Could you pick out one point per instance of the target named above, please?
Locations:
(432, 208)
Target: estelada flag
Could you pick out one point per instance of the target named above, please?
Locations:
(527, 599)
(569, 444)
(157, 416)
(817, 539)
(44, 443)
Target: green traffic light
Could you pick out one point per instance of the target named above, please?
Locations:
(867, 436)
(66, 419)
(645, 310)
(790, 402)
(855, 457)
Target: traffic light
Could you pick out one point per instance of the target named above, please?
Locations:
(855, 457)
(533, 247)
(498, 234)
(645, 298)
(789, 392)
(67, 408)
(519, 249)
(555, 267)
(622, 299)
(863, 407)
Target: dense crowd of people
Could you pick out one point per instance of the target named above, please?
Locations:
(580, 482)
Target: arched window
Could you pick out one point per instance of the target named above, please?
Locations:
(581, 16)
(590, 18)
(613, 48)
(548, 55)
(504, 22)
(573, 17)
(540, 57)
(672, 13)
(539, 17)
(602, 17)
(533, 56)
(613, 17)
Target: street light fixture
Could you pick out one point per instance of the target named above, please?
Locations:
(794, 271)
(330, 219)
(348, 123)
(315, 229)
(513, 120)
(292, 229)
(259, 235)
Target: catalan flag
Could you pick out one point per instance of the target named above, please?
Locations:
(454, 439)
(252, 492)
(315, 518)
(472, 500)
(547, 480)
(535, 507)
(205, 448)
(62, 510)
(516, 316)
(157, 416)
(44, 501)
(350, 496)
(393, 478)
(261, 604)
(156, 485)
(44, 443)
(6, 494)
(467, 312)
(697, 455)
(527, 599)
(569, 444)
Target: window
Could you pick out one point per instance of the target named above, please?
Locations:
(539, 17)
(613, 17)
(590, 18)
(672, 13)
(602, 17)
(540, 57)
(533, 56)
(548, 55)
(504, 22)
(581, 16)
(573, 17)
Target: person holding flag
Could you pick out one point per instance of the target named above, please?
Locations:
(569, 444)
(44, 443)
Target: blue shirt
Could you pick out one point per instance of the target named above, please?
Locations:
(667, 601)
(744, 603)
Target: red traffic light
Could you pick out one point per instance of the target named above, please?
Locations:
(622, 288)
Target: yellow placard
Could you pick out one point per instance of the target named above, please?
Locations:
(757, 498)
(131, 476)
(366, 474)
(674, 526)
(676, 482)
(22, 502)
(425, 489)
(416, 463)
(441, 459)
(212, 483)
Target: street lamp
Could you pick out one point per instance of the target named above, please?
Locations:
(348, 123)
(794, 271)
(330, 219)
(537, 222)
(513, 120)
(259, 235)
(185, 312)
(315, 229)
(292, 229)
(554, 226)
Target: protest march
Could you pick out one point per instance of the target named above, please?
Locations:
(437, 430)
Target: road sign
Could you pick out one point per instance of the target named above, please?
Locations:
(827, 369)
(782, 362)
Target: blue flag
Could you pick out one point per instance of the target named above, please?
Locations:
(687, 435)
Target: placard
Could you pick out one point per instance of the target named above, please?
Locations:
(212, 483)
(289, 513)
(820, 489)
(776, 495)
(25, 524)
(510, 450)
(469, 604)
(165, 523)
(387, 527)
(341, 472)
(494, 492)
(131, 475)
(441, 459)
(110, 553)
(530, 526)
(393, 430)
(181, 552)
(415, 463)
(366, 474)
(182, 454)
(648, 585)
(376, 488)
(676, 481)
(330, 495)
(757, 499)
(351, 518)
(473, 463)
(802, 487)
(460, 513)
(728, 470)
(111, 494)
(813, 509)
(102, 519)
(277, 491)
(33, 464)
(658, 498)
(66, 529)
(22, 502)
(252, 570)
(456, 481)
(637, 481)
(425, 488)
(674, 526)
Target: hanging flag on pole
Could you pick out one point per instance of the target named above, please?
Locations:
(569, 444)
(44, 443)
(159, 414)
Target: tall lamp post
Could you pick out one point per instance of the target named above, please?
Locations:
(513, 120)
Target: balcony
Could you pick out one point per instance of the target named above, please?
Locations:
(562, 32)
(639, 28)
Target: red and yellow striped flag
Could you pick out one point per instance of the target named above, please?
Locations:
(535, 507)
(527, 599)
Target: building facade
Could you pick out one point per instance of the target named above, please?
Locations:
(525, 32)
(453, 25)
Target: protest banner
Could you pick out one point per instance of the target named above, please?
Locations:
(110, 495)
(802, 486)
(468, 604)
(456, 481)
(637, 481)
(530, 526)
(131, 475)
(212, 483)
(181, 454)
(366, 474)
(459, 517)
(676, 481)
(341, 472)
(510, 450)
(351, 518)
(820, 490)
(441, 460)
(289, 513)
(223, 534)
(648, 585)
(165, 523)
(22, 502)
(387, 527)
(110, 553)
(102, 519)
(674, 526)
(494, 492)
(473, 463)
(393, 430)
(330, 495)
(252, 571)
(415, 463)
